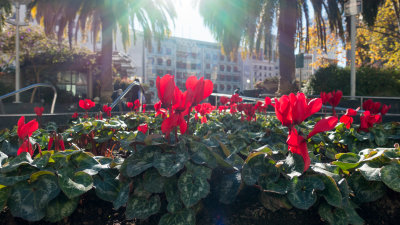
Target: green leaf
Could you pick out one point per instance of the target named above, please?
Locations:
(331, 192)
(380, 137)
(36, 175)
(184, 217)
(173, 195)
(138, 162)
(106, 185)
(274, 202)
(390, 175)
(369, 172)
(153, 182)
(198, 171)
(11, 178)
(192, 188)
(41, 161)
(60, 208)
(228, 187)
(4, 194)
(3, 158)
(23, 159)
(259, 168)
(347, 161)
(142, 208)
(334, 216)
(169, 164)
(202, 155)
(365, 191)
(293, 165)
(85, 162)
(74, 184)
(122, 196)
(29, 200)
(302, 192)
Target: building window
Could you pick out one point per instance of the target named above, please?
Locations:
(270, 68)
(159, 50)
(179, 75)
(208, 76)
(235, 69)
(193, 66)
(228, 68)
(169, 51)
(228, 87)
(221, 57)
(208, 66)
(159, 61)
(215, 57)
(260, 67)
(169, 62)
(160, 73)
(221, 68)
(208, 56)
(221, 87)
(169, 72)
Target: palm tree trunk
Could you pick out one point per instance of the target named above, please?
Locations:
(106, 57)
(287, 32)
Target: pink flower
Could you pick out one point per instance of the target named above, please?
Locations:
(107, 110)
(75, 115)
(347, 118)
(129, 105)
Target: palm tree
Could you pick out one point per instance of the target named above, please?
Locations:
(105, 17)
(249, 23)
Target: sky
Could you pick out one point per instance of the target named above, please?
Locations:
(189, 23)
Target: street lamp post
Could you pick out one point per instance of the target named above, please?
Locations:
(17, 24)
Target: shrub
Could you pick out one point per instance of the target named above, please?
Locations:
(369, 81)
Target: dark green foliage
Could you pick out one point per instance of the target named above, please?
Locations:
(369, 81)
(171, 179)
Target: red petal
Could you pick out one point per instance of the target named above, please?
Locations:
(267, 101)
(314, 106)
(191, 82)
(324, 125)
(21, 123)
(23, 148)
(182, 125)
(208, 88)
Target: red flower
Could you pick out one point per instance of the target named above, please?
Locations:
(75, 115)
(224, 100)
(385, 109)
(294, 109)
(137, 104)
(143, 128)
(347, 118)
(198, 90)
(107, 110)
(297, 144)
(180, 108)
(236, 99)
(249, 110)
(159, 110)
(233, 108)
(144, 108)
(267, 101)
(336, 97)
(165, 88)
(368, 120)
(325, 97)
(59, 142)
(323, 125)
(204, 109)
(129, 105)
(24, 131)
(86, 104)
(157, 106)
(222, 108)
(39, 111)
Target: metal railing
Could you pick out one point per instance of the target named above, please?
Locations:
(122, 95)
(324, 107)
(31, 87)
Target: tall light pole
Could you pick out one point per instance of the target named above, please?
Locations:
(17, 24)
(352, 8)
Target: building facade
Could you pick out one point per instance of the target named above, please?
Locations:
(183, 58)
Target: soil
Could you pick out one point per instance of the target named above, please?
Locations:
(246, 210)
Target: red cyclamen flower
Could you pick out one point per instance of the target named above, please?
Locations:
(224, 100)
(235, 99)
(204, 109)
(39, 110)
(165, 89)
(86, 104)
(298, 144)
(347, 118)
(24, 131)
(137, 104)
(129, 105)
(198, 90)
(144, 108)
(107, 110)
(75, 115)
(368, 120)
(143, 128)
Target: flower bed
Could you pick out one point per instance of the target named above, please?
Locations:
(171, 163)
